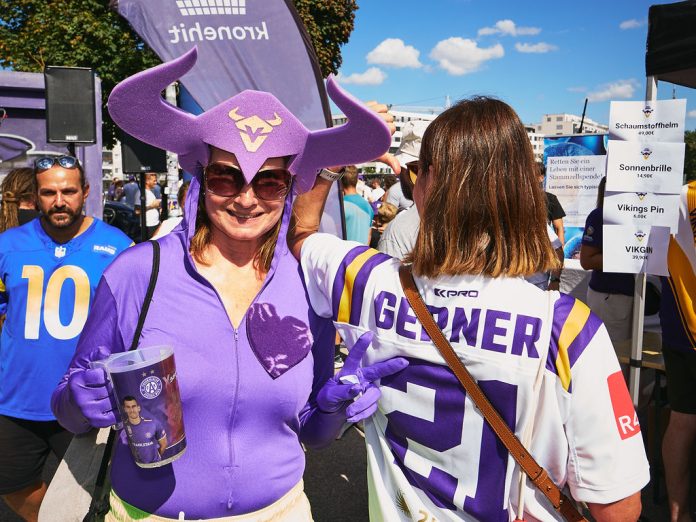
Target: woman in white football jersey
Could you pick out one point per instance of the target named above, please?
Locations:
(431, 455)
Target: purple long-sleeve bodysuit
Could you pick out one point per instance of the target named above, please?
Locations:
(247, 393)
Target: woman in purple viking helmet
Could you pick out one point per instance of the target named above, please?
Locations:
(254, 361)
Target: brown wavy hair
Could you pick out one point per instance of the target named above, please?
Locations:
(202, 237)
(18, 186)
(484, 211)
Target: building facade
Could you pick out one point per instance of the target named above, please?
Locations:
(557, 124)
(400, 119)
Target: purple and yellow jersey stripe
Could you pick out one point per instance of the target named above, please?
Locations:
(574, 326)
(349, 284)
(682, 280)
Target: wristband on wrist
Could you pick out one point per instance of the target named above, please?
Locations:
(330, 175)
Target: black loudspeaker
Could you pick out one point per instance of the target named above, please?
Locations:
(70, 106)
(141, 157)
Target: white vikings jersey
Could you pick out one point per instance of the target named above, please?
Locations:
(431, 456)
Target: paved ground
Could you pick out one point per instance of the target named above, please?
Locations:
(336, 484)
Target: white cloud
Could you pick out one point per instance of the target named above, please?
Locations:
(691, 114)
(373, 76)
(460, 56)
(631, 24)
(393, 52)
(541, 47)
(509, 28)
(620, 89)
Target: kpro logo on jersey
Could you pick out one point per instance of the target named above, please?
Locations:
(441, 292)
(624, 413)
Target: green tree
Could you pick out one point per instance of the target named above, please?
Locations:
(329, 24)
(87, 33)
(690, 155)
(72, 33)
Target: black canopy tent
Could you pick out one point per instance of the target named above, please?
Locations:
(671, 47)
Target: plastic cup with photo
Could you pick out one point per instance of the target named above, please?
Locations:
(147, 391)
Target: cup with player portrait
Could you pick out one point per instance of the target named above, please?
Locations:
(147, 392)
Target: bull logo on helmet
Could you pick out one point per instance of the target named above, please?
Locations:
(252, 125)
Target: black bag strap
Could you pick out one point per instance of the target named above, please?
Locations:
(148, 295)
(100, 506)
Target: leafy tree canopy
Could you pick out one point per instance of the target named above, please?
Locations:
(72, 33)
(87, 33)
(329, 24)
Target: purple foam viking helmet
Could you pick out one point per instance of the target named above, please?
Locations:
(252, 125)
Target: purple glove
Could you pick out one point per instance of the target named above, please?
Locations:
(92, 393)
(353, 388)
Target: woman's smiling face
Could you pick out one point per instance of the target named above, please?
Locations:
(243, 217)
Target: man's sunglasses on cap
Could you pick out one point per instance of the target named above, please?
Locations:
(46, 162)
(227, 181)
(412, 167)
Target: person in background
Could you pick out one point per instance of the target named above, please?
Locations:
(170, 223)
(385, 214)
(542, 358)
(358, 212)
(115, 192)
(400, 235)
(609, 295)
(362, 188)
(18, 205)
(131, 192)
(156, 188)
(49, 270)
(152, 204)
(377, 192)
(678, 321)
(550, 280)
(555, 212)
(395, 196)
(18, 198)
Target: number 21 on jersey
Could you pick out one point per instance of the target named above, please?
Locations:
(47, 306)
(430, 421)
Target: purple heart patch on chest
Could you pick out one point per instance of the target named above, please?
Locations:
(279, 343)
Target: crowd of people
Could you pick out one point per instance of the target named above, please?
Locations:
(250, 296)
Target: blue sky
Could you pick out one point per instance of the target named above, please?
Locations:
(540, 57)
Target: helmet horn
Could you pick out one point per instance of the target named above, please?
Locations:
(136, 105)
(363, 138)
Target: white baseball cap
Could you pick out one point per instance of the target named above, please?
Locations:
(411, 137)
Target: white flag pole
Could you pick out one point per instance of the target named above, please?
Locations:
(639, 296)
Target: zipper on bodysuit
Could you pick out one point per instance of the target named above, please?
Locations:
(230, 469)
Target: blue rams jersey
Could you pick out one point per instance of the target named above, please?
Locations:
(47, 289)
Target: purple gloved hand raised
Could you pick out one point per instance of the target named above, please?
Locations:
(353, 388)
(92, 393)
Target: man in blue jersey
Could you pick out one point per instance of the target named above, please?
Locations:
(148, 440)
(49, 270)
